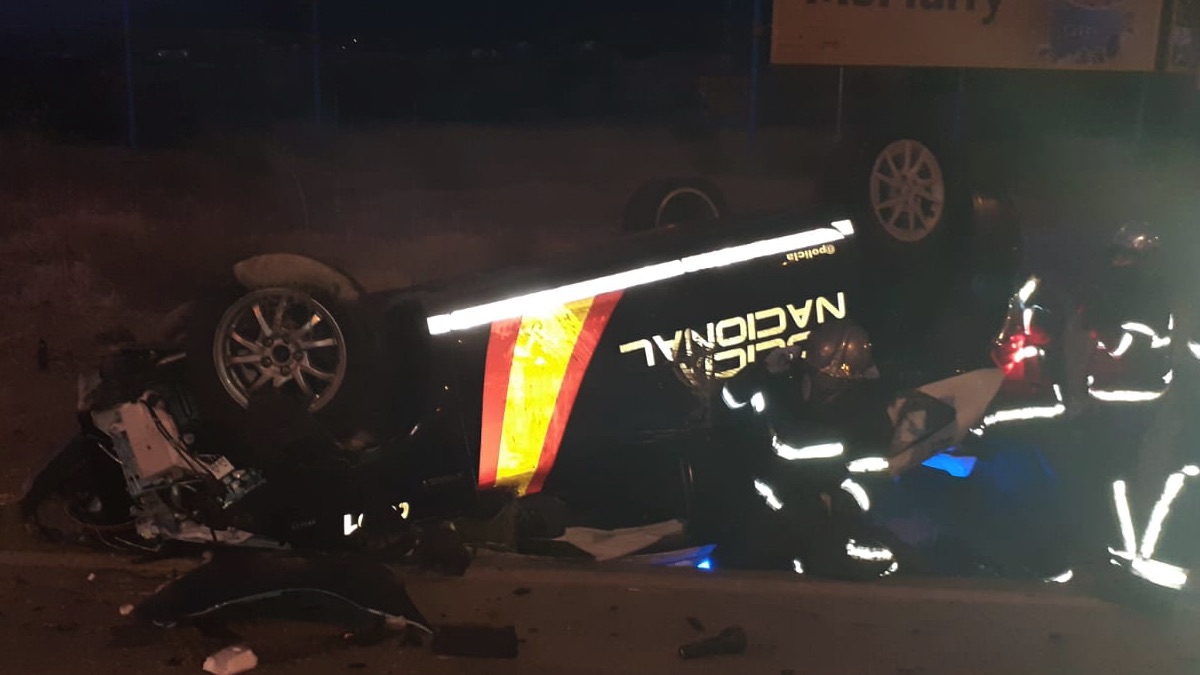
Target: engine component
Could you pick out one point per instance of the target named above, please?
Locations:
(239, 483)
(153, 454)
(144, 441)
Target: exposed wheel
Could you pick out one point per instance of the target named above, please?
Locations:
(915, 213)
(665, 202)
(281, 338)
(908, 196)
(907, 190)
(280, 350)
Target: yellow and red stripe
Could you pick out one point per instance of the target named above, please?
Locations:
(535, 366)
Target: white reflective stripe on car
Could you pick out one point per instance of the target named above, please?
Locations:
(539, 302)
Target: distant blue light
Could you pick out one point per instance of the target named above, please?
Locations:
(705, 564)
(959, 467)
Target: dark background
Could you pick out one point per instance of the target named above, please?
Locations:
(211, 66)
(214, 67)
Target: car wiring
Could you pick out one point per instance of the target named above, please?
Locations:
(185, 453)
(126, 544)
(115, 527)
(177, 444)
(110, 454)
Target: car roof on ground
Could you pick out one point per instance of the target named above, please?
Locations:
(623, 253)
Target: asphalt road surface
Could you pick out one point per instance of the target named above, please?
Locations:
(588, 619)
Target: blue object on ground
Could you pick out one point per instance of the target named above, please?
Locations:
(955, 465)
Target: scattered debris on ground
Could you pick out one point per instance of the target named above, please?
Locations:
(365, 597)
(231, 661)
(357, 590)
(732, 640)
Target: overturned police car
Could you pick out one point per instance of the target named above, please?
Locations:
(720, 376)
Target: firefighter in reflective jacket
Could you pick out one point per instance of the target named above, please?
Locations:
(1121, 332)
(1156, 503)
(1136, 417)
(811, 398)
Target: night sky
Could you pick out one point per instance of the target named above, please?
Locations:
(677, 24)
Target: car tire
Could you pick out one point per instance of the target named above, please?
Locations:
(908, 195)
(673, 201)
(336, 372)
(932, 262)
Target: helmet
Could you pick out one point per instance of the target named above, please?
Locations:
(841, 350)
(1132, 243)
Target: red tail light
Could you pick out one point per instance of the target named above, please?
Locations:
(1020, 354)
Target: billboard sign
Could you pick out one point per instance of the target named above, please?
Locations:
(1040, 34)
(1182, 48)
